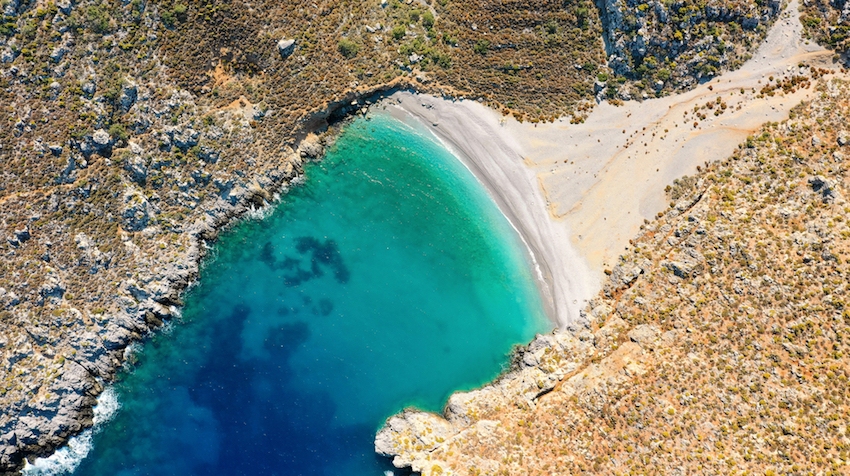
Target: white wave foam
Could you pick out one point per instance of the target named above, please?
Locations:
(65, 460)
(259, 214)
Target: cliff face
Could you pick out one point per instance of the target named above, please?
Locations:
(719, 344)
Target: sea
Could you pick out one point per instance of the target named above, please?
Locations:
(386, 278)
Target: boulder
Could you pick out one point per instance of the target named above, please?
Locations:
(58, 53)
(824, 186)
(137, 211)
(129, 93)
(285, 48)
(137, 166)
(89, 89)
(843, 138)
(185, 138)
(101, 139)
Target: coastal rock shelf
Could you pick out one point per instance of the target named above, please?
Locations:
(417, 440)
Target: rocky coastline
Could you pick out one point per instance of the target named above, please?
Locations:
(44, 427)
(128, 148)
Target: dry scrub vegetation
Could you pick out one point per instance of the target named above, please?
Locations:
(828, 23)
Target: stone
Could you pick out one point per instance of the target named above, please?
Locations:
(89, 89)
(52, 287)
(8, 54)
(137, 211)
(311, 149)
(185, 138)
(101, 139)
(22, 234)
(645, 335)
(824, 186)
(843, 138)
(208, 155)
(137, 166)
(57, 54)
(285, 48)
(64, 6)
(128, 96)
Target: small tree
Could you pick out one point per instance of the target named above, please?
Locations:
(399, 32)
(482, 46)
(428, 19)
(118, 133)
(347, 48)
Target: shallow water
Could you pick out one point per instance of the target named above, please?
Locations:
(389, 278)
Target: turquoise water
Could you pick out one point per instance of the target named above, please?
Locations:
(387, 279)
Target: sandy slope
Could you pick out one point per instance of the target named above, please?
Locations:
(578, 193)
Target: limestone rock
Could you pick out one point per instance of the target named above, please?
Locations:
(184, 138)
(137, 211)
(137, 166)
(101, 140)
(285, 48)
(824, 186)
(128, 96)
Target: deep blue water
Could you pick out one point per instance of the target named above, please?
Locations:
(388, 279)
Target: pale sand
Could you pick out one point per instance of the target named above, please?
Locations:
(578, 193)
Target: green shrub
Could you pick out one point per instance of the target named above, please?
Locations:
(428, 19)
(168, 18)
(97, 19)
(118, 132)
(399, 32)
(347, 47)
(441, 59)
(415, 15)
(482, 46)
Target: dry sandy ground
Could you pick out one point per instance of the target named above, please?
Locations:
(578, 193)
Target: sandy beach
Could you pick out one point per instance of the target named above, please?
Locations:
(466, 128)
(578, 192)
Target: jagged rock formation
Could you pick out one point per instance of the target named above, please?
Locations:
(720, 343)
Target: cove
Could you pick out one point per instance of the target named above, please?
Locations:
(387, 278)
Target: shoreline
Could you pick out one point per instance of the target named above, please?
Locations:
(464, 128)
